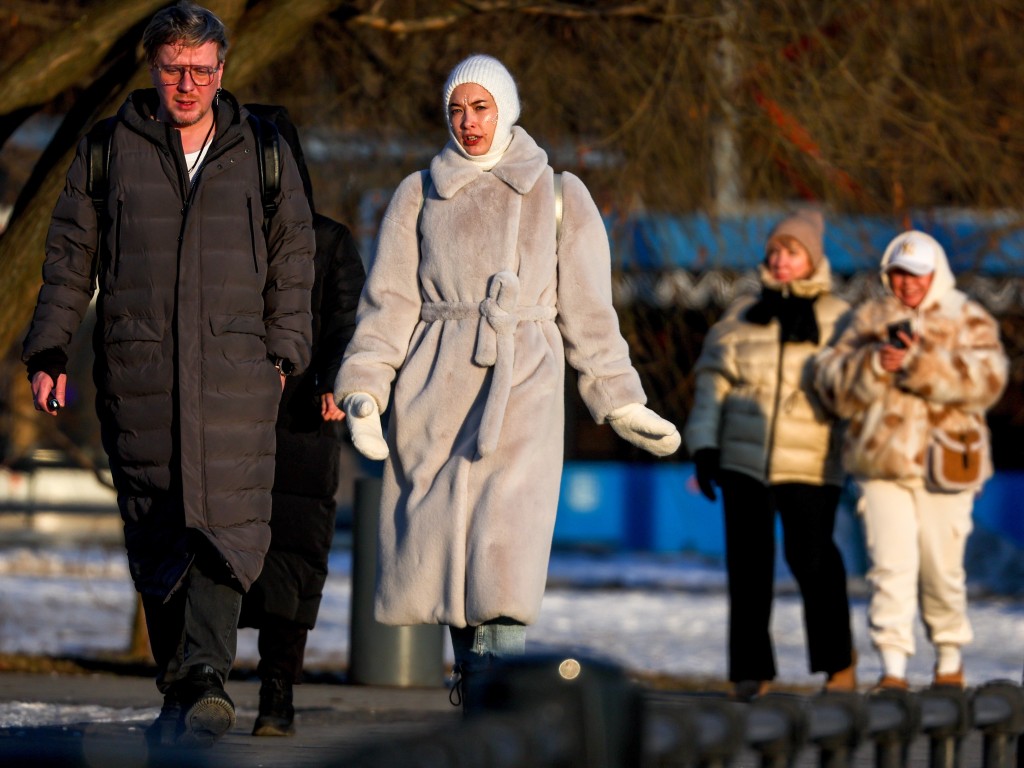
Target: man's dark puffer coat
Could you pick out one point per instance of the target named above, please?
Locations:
(193, 307)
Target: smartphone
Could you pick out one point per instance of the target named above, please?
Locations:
(894, 333)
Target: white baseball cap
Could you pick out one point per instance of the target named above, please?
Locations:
(914, 252)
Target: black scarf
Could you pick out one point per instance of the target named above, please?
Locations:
(794, 313)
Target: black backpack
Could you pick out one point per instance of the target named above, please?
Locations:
(268, 159)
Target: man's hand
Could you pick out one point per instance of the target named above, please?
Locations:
(364, 425)
(46, 394)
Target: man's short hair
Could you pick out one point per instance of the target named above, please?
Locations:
(185, 23)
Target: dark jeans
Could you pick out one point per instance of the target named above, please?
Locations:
(808, 514)
(198, 624)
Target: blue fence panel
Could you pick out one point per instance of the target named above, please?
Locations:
(658, 508)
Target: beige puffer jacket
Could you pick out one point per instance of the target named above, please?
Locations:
(949, 380)
(754, 395)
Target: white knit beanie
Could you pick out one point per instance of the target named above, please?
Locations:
(490, 73)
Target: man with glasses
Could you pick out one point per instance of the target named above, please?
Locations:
(203, 309)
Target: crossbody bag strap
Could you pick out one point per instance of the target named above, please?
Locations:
(558, 208)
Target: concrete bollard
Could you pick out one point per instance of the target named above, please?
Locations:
(405, 657)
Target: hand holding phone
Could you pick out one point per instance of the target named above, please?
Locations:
(895, 329)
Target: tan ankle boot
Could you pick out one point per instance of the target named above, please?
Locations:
(949, 679)
(891, 683)
(845, 680)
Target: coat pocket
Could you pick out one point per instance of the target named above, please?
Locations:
(251, 324)
(133, 345)
(122, 329)
(239, 338)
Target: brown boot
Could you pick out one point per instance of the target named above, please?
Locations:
(891, 683)
(845, 680)
(949, 679)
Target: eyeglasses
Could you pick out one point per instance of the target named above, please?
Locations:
(173, 74)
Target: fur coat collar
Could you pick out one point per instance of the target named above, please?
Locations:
(520, 167)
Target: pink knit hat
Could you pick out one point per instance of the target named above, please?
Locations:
(808, 227)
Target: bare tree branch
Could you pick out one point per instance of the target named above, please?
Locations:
(71, 56)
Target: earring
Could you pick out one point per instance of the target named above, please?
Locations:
(216, 98)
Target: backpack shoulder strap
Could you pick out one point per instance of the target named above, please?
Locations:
(97, 180)
(97, 163)
(426, 184)
(268, 159)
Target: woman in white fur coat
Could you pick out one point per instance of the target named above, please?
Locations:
(484, 281)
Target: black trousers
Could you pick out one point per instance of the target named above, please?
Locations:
(198, 624)
(282, 647)
(808, 514)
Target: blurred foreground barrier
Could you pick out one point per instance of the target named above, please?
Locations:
(379, 654)
(560, 711)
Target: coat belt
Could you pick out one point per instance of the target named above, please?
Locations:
(495, 343)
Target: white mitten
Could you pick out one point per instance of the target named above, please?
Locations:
(364, 425)
(645, 429)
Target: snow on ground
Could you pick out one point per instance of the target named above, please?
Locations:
(652, 614)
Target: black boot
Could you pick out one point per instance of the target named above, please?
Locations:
(465, 691)
(277, 714)
(169, 724)
(209, 711)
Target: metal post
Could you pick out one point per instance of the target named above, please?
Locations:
(946, 718)
(838, 720)
(893, 720)
(381, 655)
(777, 728)
(998, 708)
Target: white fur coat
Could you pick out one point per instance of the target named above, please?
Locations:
(470, 312)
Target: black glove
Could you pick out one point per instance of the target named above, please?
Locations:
(706, 462)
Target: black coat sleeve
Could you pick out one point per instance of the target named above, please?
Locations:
(341, 275)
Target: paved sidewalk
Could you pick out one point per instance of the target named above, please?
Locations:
(98, 720)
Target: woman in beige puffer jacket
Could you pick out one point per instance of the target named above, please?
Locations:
(758, 430)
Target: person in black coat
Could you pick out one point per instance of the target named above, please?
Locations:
(202, 312)
(284, 601)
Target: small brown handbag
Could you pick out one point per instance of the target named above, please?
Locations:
(955, 459)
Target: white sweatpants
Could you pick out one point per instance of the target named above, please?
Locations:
(915, 542)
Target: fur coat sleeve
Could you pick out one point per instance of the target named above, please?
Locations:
(594, 347)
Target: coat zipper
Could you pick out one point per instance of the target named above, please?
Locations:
(252, 236)
(770, 442)
(770, 437)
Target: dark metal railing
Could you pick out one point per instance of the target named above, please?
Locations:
(531, 715)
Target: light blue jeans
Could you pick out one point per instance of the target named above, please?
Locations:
(475, 647)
